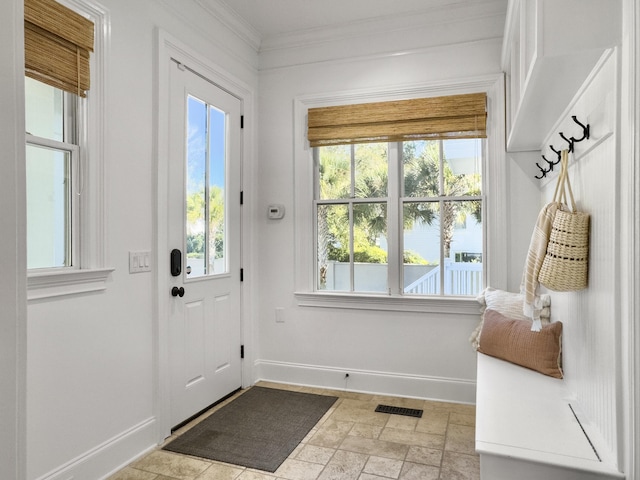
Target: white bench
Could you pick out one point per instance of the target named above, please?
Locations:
(526, 429)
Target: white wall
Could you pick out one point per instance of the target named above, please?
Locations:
(12, 234)
(591, 317)
(92, 398)
(420, 354)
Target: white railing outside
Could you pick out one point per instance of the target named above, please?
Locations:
(460, 278)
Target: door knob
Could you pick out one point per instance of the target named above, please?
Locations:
(177, 292)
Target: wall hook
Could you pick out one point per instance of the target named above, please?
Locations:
(568, 141)
(558, 153)
(585, 130)
(551, 164)
(544, 172)
(571, 141)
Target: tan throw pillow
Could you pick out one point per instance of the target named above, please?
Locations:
(513, 341)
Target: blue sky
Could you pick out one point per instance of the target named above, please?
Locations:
(197, 134)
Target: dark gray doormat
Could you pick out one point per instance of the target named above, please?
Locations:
(259, 429)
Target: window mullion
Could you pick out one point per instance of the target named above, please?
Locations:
(352, 268)
(75, 191)
(441, 211)
(207, 193)
(352, 195)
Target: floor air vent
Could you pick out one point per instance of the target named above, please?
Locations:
(408, 412)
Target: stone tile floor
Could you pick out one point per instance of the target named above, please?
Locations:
(351, 442)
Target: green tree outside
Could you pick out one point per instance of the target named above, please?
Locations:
(421, 168)
(211, 232)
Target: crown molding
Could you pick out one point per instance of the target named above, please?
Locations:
(460, 12)
(234, 22)
(450, 14)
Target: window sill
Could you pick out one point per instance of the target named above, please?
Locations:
(50, 283)
(453, 305)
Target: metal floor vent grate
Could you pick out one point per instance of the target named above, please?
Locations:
(408, 412)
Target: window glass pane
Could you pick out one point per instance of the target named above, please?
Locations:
(463, 248)
(44, 110)
(196, 241)
(369, 247)
(205, 192)
(334, 172)
(462, 167)
(334, 271)
(48, 207)
(457, 229)
(421, 240)
(421, 168)
(371, 170)
(217, 183)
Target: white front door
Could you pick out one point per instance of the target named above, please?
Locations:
(204, 241)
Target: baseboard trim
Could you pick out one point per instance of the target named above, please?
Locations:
(110, 456)
(365, 381)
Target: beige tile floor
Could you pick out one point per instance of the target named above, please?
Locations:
(351, 442)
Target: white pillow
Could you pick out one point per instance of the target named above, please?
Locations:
(508, 304)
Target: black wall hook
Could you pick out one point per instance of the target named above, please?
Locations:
(551, 164)
(585, 130)
(557, 152)
(571, 141)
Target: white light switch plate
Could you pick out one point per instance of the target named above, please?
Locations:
(139, 261)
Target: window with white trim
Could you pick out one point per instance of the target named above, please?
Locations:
(53, 188)
(312, 132)
(64, 114)
(401, 218)
(495, 210)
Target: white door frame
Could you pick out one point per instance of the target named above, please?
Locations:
(171, 48)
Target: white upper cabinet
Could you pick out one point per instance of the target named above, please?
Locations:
(550, 47)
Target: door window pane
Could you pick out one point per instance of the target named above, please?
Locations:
(217, 184)
(205, 189)
(48, 174)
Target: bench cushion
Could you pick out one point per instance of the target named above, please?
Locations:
(513, 340)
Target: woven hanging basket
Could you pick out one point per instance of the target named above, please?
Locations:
(566, 264)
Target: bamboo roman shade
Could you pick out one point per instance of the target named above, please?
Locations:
(57, 42)
(454, 116)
